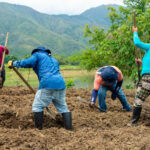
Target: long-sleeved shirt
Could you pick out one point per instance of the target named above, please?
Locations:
(1, 53)
(146, 58)
(47, 69)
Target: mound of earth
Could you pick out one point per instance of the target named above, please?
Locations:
(91, 129)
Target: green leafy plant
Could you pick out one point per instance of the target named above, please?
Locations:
(129, 86)
(70, 83)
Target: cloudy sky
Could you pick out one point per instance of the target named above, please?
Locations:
(70, 7)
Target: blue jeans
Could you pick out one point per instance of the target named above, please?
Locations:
(102, 95)
(44, 97)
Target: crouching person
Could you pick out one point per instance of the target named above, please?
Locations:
(108, 78)
(51, 85)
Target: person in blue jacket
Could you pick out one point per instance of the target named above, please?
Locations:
(143, 90)
(51, 85)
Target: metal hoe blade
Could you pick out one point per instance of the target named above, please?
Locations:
(84, 101)
(51, 113)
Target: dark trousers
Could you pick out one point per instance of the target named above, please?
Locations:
(2, 74)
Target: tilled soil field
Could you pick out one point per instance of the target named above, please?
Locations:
(91, 129)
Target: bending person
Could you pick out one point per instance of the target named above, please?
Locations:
(108, 78)
(51, 87)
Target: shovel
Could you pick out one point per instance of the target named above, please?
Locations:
(86, 102)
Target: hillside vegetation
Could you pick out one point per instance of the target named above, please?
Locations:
(63, 34)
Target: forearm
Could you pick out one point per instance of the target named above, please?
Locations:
(138, 43)
(26, 63)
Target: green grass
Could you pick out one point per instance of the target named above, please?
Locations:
(81, 78)
(69, 67)
(12, 79)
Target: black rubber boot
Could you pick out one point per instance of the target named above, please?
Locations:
(136, 115)
(38, 119)
(67, 118)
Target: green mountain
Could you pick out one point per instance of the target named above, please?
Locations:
(99, 15)
(62, 34)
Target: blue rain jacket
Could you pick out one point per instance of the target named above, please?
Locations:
(146, 58)
(46, 67)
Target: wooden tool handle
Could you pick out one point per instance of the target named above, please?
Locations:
(50, 112)
(136, 50)
(134, 19)
(4, 51)
(23, 79)
(6, 39)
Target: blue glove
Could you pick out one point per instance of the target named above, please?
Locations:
(93, 96)
(117, 88)
(114, 95)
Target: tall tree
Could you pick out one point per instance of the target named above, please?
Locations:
(115, 46)
(138, 4)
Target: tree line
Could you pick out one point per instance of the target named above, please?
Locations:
(115, 46)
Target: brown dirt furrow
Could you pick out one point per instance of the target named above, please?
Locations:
(91, 129)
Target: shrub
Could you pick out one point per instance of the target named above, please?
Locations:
(69, 83)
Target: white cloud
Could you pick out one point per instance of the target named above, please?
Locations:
(63, 6)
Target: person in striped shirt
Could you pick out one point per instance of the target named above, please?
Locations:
(143, 90)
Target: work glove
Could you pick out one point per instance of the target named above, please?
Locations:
(91, 104)
(93, 98)
(10, 64)
(114, 95)
(117, 88)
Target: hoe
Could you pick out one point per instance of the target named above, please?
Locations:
(50, 112)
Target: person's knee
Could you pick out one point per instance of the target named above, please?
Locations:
(128, 107)
(36, 108)
(121, 95)
(102, 94)
(63, 109)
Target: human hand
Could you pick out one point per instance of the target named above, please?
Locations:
(113, 95)
(10, 64)
(138, 61)
(91, 104)
(134, 29)
(5, 49)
